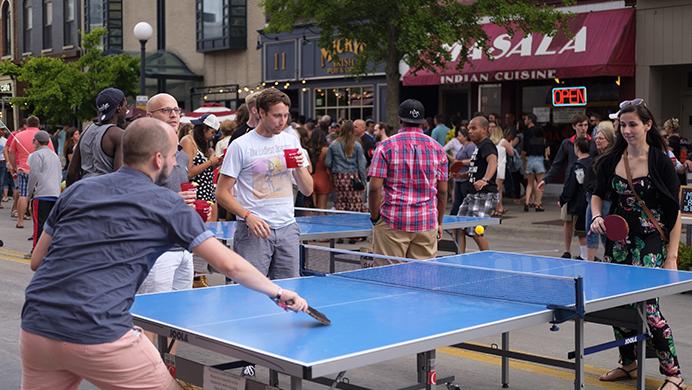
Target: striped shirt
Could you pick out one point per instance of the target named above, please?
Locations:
(411, 164)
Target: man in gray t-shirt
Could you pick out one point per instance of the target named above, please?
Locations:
(96, 249)
(266, 231)
(44, 181)
(174, 269)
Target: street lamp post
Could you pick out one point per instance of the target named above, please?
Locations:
(142, 32)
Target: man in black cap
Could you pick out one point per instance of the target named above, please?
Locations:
(99, 150)
(408, 189)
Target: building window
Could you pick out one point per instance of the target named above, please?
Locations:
(69, 24)
(114, 25)
(6, 29)
(108, 14)
(28, 24)
(221, 25)
(94, 13)
(490, 98)
(47, 24)
(349, 103)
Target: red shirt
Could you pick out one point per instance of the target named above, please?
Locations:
(22, 145)
(411, 164)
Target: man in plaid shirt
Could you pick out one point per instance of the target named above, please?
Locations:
(408, 189)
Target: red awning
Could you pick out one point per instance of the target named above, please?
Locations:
(602, 45)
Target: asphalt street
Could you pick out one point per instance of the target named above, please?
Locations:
(537, 233)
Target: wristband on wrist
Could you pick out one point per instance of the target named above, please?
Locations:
(247, 214)
(594, 218)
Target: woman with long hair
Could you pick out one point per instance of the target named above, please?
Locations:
(202, 159)
(71, 139)
(346, 163)
(638, 176)
(318, 148)
(505, 151)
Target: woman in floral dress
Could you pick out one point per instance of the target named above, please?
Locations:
(654, 179)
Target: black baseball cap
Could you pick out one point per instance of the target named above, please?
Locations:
(107, 103)
(412, 111)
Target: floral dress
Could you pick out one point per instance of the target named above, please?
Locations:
(643, 247)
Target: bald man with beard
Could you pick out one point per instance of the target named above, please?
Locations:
(76, 321)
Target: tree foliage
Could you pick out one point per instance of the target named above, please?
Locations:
(61, 92)
(416, 31)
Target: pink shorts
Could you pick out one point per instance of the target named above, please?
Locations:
(130, 362)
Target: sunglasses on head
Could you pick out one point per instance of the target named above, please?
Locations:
(633, 102)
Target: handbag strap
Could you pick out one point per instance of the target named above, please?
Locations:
(641, 203)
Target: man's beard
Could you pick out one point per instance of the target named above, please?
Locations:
(162, 178)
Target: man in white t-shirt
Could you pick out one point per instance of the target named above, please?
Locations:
(256, 164)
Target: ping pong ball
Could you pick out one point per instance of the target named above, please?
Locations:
(479, 230)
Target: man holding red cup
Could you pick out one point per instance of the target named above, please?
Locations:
(260, 165)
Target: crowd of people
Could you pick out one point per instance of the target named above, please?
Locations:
(258, 167)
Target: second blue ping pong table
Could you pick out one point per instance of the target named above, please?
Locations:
(340, 225)
(389, 312)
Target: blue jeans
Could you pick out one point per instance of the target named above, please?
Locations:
(4, 183)
(592, 238)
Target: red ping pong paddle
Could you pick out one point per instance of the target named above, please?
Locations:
(616, 227)
(456, 166)
(312, 312)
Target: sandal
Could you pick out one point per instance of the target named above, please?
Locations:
(678, 386)
(497, 213)
(13, 214)
(18, 226)
(539, 208)
(618, 374)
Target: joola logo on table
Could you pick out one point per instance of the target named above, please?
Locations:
(178, 335)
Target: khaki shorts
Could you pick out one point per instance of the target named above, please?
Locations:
(564, 215)
(131, 361)
(398, 243)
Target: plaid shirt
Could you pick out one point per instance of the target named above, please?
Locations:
(411, 164)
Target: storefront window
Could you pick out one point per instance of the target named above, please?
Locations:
(537, 99)
(345, 103)
(490, 98)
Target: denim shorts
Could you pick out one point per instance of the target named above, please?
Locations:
(534, 164)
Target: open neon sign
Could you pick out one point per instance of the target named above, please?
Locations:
(569, 96)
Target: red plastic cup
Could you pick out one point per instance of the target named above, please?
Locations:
(203, 208)
(187, 186)
(290, 155)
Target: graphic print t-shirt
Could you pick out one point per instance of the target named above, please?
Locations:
(263, 182)
(479, 165)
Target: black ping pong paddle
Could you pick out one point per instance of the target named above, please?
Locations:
(312, 312)
(616, 227)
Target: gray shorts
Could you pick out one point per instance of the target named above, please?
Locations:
(277, 256)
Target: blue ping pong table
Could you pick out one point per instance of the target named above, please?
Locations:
(388, 312)
(333, 226)
(337, 225)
